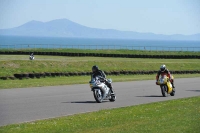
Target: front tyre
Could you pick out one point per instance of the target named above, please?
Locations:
(164, 90)
(97, 96)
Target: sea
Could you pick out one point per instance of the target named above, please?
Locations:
(25, 42)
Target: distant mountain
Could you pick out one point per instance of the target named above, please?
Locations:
(67, 28)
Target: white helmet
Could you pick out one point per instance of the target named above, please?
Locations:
(162, 68)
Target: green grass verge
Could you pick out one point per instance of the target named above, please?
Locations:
(10, 64)
(180, 116)
(141, 52)
(50, 81)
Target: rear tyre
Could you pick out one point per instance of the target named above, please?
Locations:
(113, 98)
(98, 96)
(173, 92)
(164, 90)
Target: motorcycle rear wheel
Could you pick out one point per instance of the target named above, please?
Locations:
(173, 92)
(113, 98)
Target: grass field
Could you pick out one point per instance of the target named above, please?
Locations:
(51, 81)
(142, 52)
(179, 116)
(11, 64)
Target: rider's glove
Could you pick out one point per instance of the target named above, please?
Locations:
(156, 82)
(102, 79)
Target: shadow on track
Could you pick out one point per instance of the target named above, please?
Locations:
(84, 102)
(150, 96)
(194, 90)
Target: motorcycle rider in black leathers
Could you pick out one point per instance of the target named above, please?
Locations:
(97, 72)
(32, 55)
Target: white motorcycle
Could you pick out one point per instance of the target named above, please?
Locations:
(101, 91)
(31, 57)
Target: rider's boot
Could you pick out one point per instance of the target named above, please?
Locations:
(172, 82)
(111, 89)
(173, 85)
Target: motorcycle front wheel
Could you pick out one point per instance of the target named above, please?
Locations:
(164, 90)
(98, 96)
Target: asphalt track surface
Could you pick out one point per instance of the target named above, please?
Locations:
(29, 104)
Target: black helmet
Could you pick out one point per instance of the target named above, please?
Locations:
(162, 68)
(95, 68)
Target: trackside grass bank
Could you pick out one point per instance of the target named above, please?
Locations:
(114, 55)
(51, 81)
(106, 51)
(11, 64)
(180, 116)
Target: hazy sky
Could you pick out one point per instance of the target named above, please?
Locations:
(157, 16)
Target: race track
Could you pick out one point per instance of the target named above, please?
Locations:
(29, 104)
